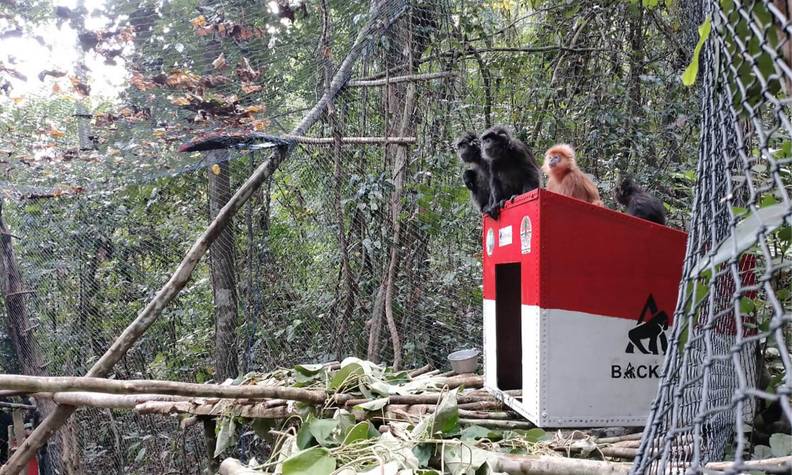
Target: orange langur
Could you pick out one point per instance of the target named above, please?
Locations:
(564, 176)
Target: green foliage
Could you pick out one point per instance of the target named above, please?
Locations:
(689, 76)
(313, 461)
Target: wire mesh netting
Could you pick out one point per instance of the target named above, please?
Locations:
(353, 244)
(726, 388)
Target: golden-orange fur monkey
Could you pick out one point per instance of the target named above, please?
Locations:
(564, 176)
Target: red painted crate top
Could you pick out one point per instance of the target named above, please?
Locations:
(587, 258)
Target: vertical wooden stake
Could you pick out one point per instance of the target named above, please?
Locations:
(19, 430)
(211, 442)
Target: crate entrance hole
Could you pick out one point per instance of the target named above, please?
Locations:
(508, 334)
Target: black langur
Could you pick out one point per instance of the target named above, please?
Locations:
(477, 175)
(512, 167)
(640, 203)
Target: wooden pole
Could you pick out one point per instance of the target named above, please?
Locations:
(498, 424)
(19, 429)
(351, 140)
(210, 439)
(14, 405)
(398, 79)
(108, 401)
(179, 279)
(775, 464)
(252, 411)
(549, 465)
(54, 384)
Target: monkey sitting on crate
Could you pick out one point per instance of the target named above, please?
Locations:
(566, 178)
(514, 169)
(477, 174)
(511, 165)
(638, 202)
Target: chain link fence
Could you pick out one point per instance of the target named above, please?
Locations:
(725, 390)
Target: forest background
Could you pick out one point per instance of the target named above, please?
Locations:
(366, 249)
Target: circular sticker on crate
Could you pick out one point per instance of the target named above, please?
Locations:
(525, 235)
(490, 241)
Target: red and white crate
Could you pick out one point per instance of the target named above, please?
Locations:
(570, 290)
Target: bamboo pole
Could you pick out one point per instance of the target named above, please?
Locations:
(775, 464)
(15, 405)
(633, 444)
(411, 399)
(429, 374)
(107, 401)
(398, 79)
(253, 411)
(621, 438)
(350, 140)
(481, 405)
(421, 409)
(179, 279)
(420, 371)
(619, 452)
(498, 424)
(549, 465)
(54, 384)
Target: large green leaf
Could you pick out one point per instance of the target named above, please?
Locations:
(445, 420)
(475, 432)
(446, 417)
(304, 437)
(465, 459)
(423, 452)
(360, 431)
(346, 377)
(322, 430)
(307, 374)
(781, 445)
(689, 76)
(374, 405)
(535, 435)
(226, 437)
(313, 461)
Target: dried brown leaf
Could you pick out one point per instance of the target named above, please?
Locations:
(219, 62)
(249, 88)
(179, 101)
(198, 22)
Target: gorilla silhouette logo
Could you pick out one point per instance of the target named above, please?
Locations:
(652, 329)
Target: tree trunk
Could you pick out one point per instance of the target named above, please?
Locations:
(222, 268)
(20, 329)
(91, 253)
(18, 322)
(345, 301)
(635, 108)
(210, 439)
(400, 114)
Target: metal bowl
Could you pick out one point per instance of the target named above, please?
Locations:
(464, 361)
